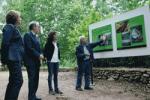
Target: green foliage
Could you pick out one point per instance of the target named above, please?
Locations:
(70, 18)
(81, 29)
(68, 63)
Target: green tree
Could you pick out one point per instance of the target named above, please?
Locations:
(69, 18)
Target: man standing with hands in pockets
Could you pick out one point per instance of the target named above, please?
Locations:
(32, 58)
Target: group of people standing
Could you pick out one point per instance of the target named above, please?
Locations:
(16, 51)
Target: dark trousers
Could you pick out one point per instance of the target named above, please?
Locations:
(83, 70)
(33, 76)
(15, 80)
(53, 72)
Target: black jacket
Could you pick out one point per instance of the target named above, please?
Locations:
(49, 50)
(32, 49)
(80, 51)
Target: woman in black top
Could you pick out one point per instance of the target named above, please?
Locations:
(52, 55)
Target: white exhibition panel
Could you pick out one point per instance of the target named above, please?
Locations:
(124, 52)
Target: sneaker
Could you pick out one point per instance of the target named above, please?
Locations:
(79, 89)
(58, 92)
(88, 88)
(51, 92)
(38, 98)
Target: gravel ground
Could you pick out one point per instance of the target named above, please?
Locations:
(103, 90)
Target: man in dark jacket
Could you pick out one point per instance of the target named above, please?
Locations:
(84, 55)
(32, 58)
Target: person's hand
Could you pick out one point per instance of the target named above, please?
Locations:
(44, 60)
(103, 38)
(41, 57)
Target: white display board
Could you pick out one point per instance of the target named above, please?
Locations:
(141, 51)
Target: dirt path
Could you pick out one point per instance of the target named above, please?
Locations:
(103, 90)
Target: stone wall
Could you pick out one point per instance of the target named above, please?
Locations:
(138, 75)
(127, 62)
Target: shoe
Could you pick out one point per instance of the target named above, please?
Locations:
(79, 89)
(88, 88)
(58, 92)
(38, 98)
(51, 92)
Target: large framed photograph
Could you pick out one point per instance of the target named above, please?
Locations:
(98, 33)
(130, 33)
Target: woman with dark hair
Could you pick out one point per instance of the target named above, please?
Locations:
(52, 55)
(12, 54)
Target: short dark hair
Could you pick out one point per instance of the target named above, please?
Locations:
(12, 16)
(32, 25)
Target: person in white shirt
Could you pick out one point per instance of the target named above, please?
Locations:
(52, 55)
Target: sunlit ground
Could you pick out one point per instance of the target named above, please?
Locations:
(103, 90)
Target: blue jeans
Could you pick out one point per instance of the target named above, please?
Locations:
(15, 80)
(53, 72)
(83, 70)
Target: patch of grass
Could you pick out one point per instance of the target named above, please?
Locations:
(68, 63)
(64, 64)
